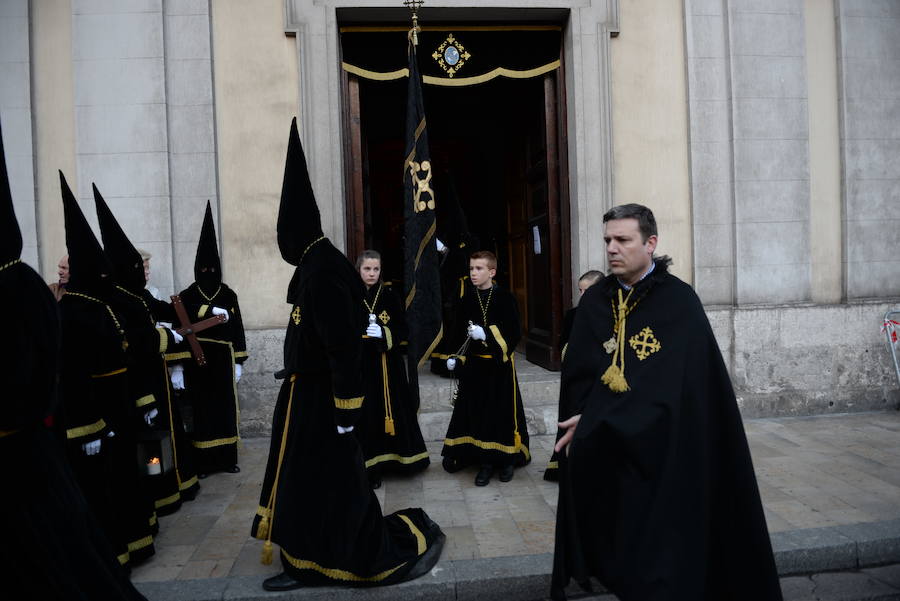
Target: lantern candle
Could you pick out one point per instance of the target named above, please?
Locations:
(153, 466)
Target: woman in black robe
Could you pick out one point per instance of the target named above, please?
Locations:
(389, 428)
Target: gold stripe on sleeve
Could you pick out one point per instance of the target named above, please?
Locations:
(145, 400)
(114, 372)
(499, 338)
(354, 403)
(85, 430)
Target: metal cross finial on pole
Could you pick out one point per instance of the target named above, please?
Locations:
(414, 6)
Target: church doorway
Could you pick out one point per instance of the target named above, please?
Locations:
(498, 154)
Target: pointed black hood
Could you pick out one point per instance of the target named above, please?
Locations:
(10, 235)
(299, 223)
(207, 266)
(87, 261)
(127, 264)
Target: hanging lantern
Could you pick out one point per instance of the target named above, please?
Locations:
(154, 450)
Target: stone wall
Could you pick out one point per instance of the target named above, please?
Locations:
(783, 361)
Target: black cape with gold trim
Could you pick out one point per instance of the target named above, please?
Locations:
(657, 497)
(316, 502)
(96, 401)
(53, 547)
(551, 473)
(402, 450)
(148, 383)
(488, 422)
(211, 390)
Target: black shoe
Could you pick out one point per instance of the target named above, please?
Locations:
(234, 469)
(202, 476)
(375, 483)
(506, 473)
(282, 582)
(484, 475)
(451, 466)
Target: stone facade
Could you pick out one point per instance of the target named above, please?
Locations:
(784, 222)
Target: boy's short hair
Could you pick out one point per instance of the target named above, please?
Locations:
(367, 254)
(593, 276)
(145, 256)
(487, 255)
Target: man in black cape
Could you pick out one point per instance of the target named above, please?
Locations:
(148, 379)
(212, 388)
(101, 419)
(657, 496)
(316, 503)
(53, 548)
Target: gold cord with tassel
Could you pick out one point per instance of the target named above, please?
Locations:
(517, 438)
(388, 413)
(266, 524)
(614, 377)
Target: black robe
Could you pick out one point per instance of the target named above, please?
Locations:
(551, 473)
(211, 390)
(488, 422)
(316, 502)
(387, 392)
(148, 381)
(657, 497)
(96, 401)
(53, 548)
(451, 293)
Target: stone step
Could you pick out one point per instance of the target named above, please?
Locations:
(540, 396)
(539, 387)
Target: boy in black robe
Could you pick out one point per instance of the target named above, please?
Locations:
(53, 548)
(148, 379)
(389, 427)
(101, 419)
(588, 279)
(316, 502)
(487, 427)
(657, 495)
(212, 389)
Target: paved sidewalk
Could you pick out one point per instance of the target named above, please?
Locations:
(830, 486)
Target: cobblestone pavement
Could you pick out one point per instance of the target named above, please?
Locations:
(812, 472)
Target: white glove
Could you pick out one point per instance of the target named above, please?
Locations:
(440, 245)
(176, 375)
(178, 337)
(374, 331)
(110, 434)
(451, 363)
(220, 311)
(150, 415)
(91, 448)
(238, 370)
(476, 332)
(343, 430)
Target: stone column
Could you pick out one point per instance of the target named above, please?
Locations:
(191, 131)
(749, 150)
(121, 140)
(869, 88)
(15, 116)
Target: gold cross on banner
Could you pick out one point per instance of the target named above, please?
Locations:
(384, 317)
(647, 342)
(295, 315)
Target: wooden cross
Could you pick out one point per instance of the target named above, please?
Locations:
(189, 330)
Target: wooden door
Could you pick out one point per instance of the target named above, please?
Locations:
(543, 248)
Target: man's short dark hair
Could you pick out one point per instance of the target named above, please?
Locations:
(646, 220)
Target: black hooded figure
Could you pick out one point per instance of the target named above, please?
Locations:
(212, 389)
(148, 379)
(53, 547)
(316, 503)
(101, 419)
